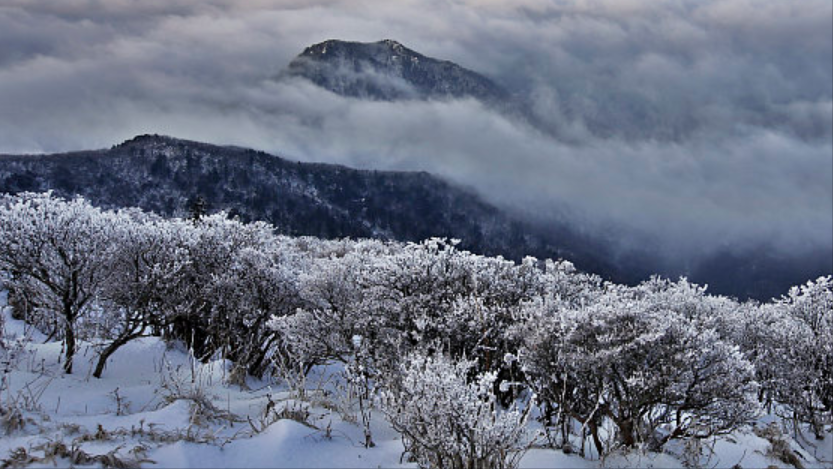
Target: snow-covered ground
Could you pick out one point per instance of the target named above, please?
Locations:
(156, 407)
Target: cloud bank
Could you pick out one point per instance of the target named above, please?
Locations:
(700, 125)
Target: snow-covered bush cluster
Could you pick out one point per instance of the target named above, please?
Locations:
(650, 360)
(448, 420)
(459, 350)
(790, 343)
(77, 271)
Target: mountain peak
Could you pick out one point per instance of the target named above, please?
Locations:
(147, 145)
(156, 141)
(336, 47)
(387, 70)
(147, 138)
(391, 42)
(395, 46)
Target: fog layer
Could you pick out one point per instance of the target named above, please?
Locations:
(697, 125)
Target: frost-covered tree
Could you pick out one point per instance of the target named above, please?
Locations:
(133, 299)
(643, 359)
(397, 298)
(58, 254)
(206, 249)
(341, 321)
(212, 283)
(325, 328)
(372, 303)
(258, 285)
(790, 342)
(449, 421)
(432, 295)
(812, 306)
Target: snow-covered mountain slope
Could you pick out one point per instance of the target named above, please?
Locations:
(387, 70)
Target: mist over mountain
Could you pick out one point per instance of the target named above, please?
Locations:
(168, 176)
(388, 71)
(639, 141)
(679, 135)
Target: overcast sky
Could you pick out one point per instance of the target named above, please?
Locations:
(706, 123)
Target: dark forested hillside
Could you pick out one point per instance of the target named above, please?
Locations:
(167, 176)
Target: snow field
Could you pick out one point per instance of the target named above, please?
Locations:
(142, 424)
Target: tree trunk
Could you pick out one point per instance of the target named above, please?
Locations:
(111, 349)
(69, 337)
(594, 432)
(626, 432)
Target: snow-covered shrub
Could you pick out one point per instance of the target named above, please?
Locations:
(192, 384)
(780, 448)
(791, 344)
(58, 255)
(570, 287)
(370, 305)
(447, 421)
(337, 325)
(204, 250)
(258, 285)
(431, 295)
(474, 324)
(409, 294)
(324, 329)
(811, 357)
(11, 351)
(135, 298)
(651, 367)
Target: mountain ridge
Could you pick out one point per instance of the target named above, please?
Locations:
(165, 175)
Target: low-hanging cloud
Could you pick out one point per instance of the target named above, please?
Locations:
(703, 124)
